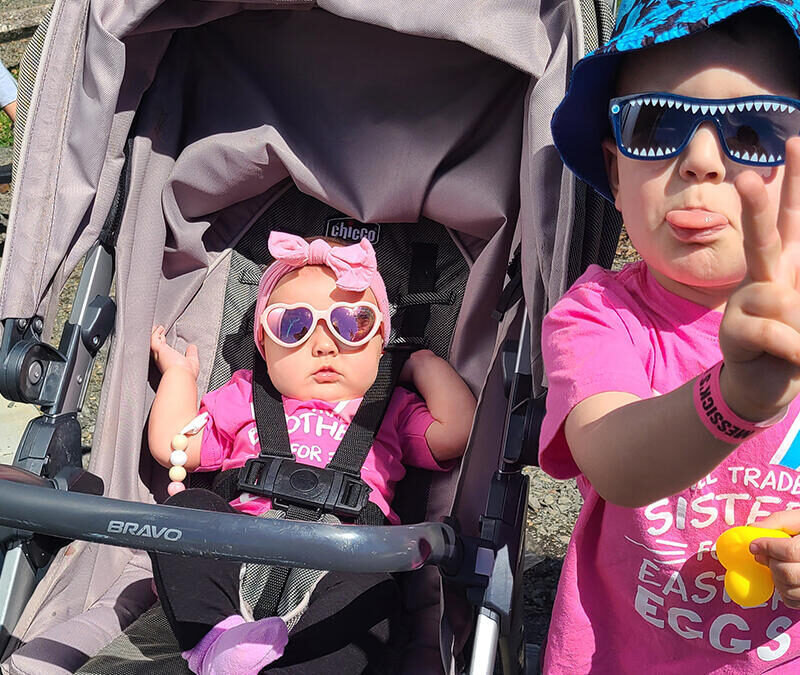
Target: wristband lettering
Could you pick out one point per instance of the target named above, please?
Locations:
(717, 417)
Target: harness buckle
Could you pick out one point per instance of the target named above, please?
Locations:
(288, 482)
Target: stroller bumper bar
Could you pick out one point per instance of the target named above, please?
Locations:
(225, 536)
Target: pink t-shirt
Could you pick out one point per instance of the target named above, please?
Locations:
(641, 589)
(315, 429)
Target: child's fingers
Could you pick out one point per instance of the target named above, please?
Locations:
(156, 338)
(756, 335)
(762, 243)
(789, 211)
(771, 301)
(788, 521)
(777, 549)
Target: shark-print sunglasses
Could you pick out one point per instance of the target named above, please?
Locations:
(753, 130)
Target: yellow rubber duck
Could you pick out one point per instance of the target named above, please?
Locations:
(747, 582)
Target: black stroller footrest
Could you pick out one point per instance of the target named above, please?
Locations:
(287, 482)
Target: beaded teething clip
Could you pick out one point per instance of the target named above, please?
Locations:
(178, 457)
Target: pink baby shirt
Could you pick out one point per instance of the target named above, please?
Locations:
(641, 589)
(315, 430)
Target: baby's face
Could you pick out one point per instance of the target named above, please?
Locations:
(321, 368)
(662, 201)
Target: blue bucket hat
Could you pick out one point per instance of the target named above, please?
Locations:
(580, 123)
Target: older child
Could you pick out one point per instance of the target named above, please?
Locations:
(321, 323)
(672, 382)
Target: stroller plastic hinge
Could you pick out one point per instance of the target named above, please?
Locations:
(12, 535)
(76, 479)
(49, 444)
(28, 366)
(38, 549)
(98, 323)
(287, 482)
(471, 568)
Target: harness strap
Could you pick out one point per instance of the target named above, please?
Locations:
(273, 435)
(422, 277)
(338, 488)
(512, 291)
(357, 441)
(348, 459)
(267, 604)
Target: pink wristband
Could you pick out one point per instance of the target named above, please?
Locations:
(717, 417)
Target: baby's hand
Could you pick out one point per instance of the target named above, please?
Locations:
(760, 332)
(782, 556)
(167, 357)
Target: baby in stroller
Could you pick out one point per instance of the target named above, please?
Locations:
(321, 323)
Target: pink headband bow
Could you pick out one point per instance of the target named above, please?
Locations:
(355, 267)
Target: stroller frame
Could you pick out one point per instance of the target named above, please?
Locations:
(49, 457)
(47, 477)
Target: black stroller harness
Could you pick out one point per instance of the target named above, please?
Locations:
(304, 492)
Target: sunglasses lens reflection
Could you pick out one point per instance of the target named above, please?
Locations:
(353, 323)
(289, 325)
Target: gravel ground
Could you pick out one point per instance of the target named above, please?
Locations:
(553, 505)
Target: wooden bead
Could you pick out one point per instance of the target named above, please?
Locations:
(177, 474)
(178, 458)
(179, 442)
(175, 487)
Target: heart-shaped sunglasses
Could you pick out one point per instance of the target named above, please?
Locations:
(352, 324)
(753, 130)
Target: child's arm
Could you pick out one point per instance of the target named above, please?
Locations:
(449, 401)
(176, 400)
(635, 452)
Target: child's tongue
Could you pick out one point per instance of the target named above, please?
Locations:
(695, 219)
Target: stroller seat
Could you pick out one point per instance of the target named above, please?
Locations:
(425, 274)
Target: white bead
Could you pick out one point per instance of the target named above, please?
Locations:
(179, 442)
(178, 458)
(177, 474)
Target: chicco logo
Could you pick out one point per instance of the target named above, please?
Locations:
(350, 229)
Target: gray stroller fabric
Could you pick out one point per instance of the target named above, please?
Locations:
(387, 112)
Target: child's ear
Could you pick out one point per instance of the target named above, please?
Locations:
(611, 159)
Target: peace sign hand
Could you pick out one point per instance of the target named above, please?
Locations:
(760, 332)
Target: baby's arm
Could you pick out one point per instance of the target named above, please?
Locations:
(176, 400)
(635, 452)
(449, 400)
